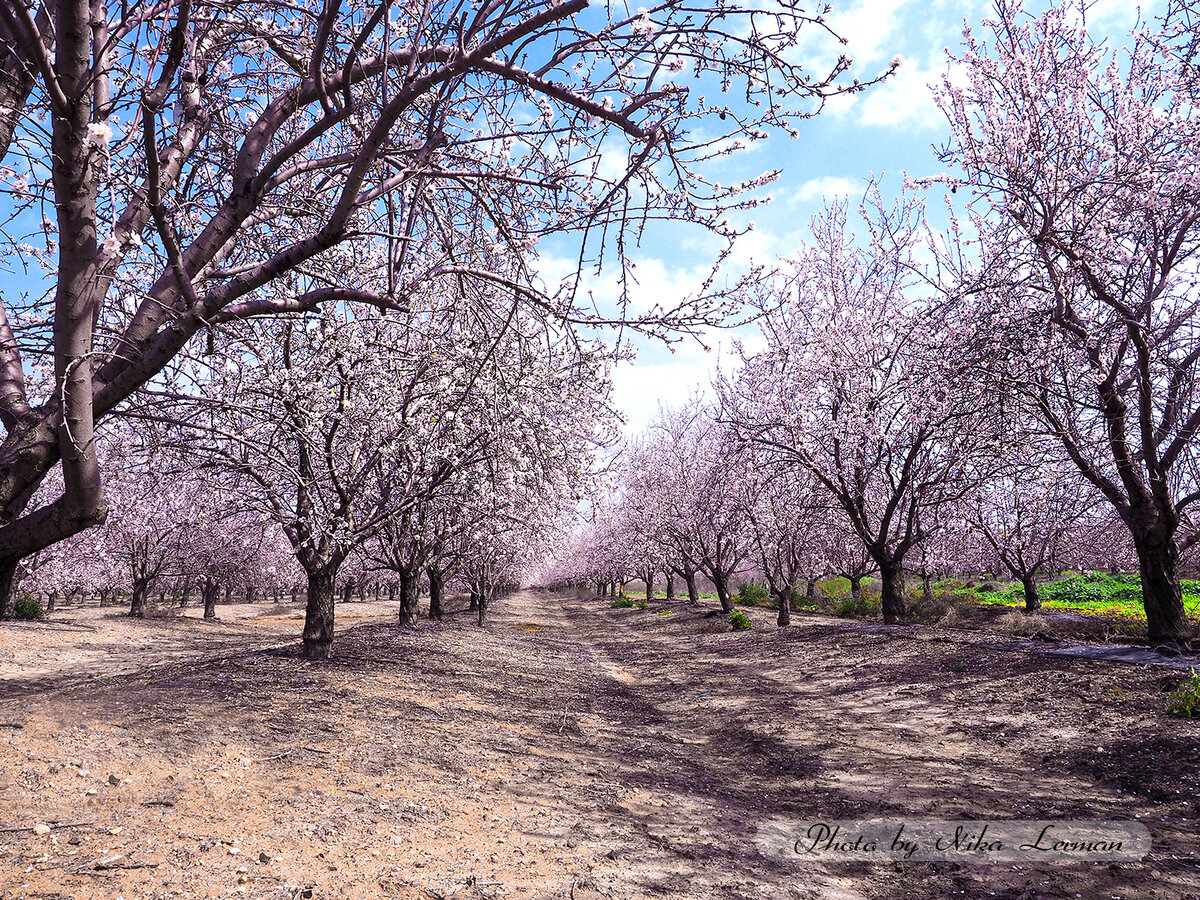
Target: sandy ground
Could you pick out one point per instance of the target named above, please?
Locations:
(568, 750)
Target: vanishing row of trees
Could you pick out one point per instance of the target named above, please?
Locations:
(1022, 382)
(179, 169)
(436, 447)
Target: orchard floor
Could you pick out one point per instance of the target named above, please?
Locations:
(568, 750)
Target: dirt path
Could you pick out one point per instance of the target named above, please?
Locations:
(574, 750)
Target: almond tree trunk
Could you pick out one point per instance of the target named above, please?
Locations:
(1033, 602)
(784, 598)
(410, 583)
(1162, 595)
(436, 588)
(137, 601)
(209, 593)
(891, 577)
(318, 616)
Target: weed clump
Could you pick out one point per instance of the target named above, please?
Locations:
(27, 607)
(739, 620)
(751, 593)
(1185, 701)
(859, 607)
(1022, 624)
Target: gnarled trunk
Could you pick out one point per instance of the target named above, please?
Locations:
(410, 583)
(810, 592)
(670, 587)
(723, 594)
(208, 593)
(1166, 621)
(8, 586)
(784, 598)
(693, 593)
(1032, 601)
(137, 601)
(891, 587)
(318, 615)
(437, 583)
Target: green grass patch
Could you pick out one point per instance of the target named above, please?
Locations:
(1097, 593)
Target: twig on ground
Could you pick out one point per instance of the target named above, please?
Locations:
(276, 756)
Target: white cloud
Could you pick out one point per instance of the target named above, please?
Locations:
(826, 187)
(870, 29)
(663, 378)
(904, 100)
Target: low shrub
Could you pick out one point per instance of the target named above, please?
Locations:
(625, 603)
(857, 607)
(751, 593)
(1185, 701)
(739, 620)
(27, 607)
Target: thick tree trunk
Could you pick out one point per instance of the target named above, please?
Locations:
(250, 594)
(1166, 621)
(318, 616)
(52, 601)
(295, 594)
(1032, 601)
(410, 583)
(670, 587)
(693, 593)
(474, 607)
(784, 598)
(347, 590)
(483, 607)
(927, 588)
(810, 592)
(209, 593)
(137, 601)
(362, 590)
(891, 579)
(649, 586)
(436, 586)
(228, 593)
(8, 587)
(391, 591)
(723, 594)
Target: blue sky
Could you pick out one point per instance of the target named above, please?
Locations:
(887, 131)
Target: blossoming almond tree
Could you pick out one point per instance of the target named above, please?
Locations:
(859, 386)
(347, 431)
(1083, 161)
(206, 162)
